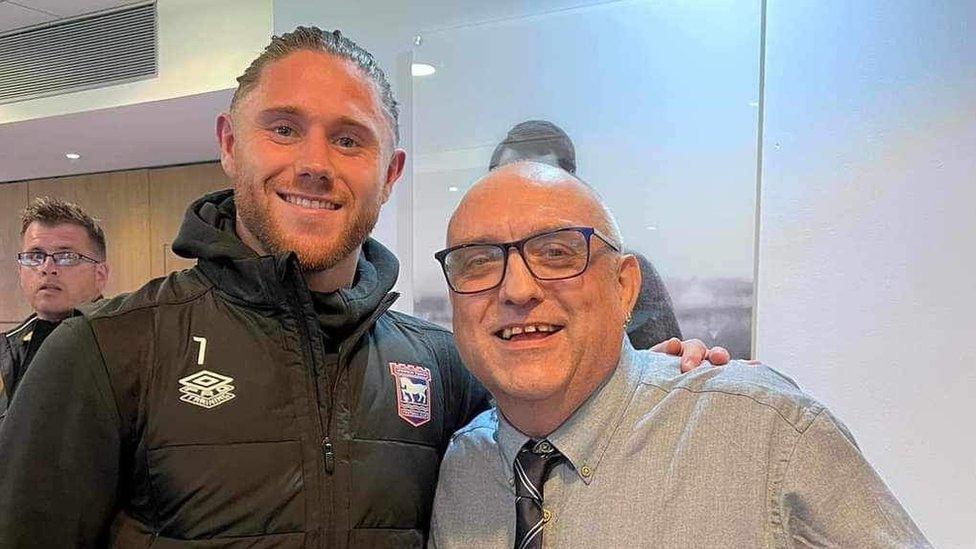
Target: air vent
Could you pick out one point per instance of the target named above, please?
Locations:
(85, 52)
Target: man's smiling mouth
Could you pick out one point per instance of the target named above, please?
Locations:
(309, 203)
(537, 330)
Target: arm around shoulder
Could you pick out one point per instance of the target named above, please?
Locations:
(60, 447)
(831, 496)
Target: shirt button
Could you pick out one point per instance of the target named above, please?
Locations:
(586, 471)
(546, 515)
(543, 447)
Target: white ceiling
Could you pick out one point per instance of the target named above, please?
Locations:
(160, 133)
(16, 14)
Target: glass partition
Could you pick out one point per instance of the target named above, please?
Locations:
(660, 103)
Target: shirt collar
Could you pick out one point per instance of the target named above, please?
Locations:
(584, 437)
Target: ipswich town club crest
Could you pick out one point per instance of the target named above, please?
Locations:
(413, 392)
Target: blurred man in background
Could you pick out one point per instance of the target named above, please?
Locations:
(653, 321)
(61, 265)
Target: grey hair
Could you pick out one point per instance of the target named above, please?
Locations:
(611, 228)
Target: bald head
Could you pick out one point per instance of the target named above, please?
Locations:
(550, 195)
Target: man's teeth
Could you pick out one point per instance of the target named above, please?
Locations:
(507, 333)
(313, 204)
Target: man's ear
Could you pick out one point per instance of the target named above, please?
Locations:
(629, 279)
(393, 172)
(225, 140)
(101, 276)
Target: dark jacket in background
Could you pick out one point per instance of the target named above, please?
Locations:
(227, 405)
(17, 349)
(652, 320)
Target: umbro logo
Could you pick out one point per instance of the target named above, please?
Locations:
(206, 389)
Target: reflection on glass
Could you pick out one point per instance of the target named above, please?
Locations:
(656, 98)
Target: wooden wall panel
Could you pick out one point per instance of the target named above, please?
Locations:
(7, 326)
(120, 201)
(171, 190)
(13, 199)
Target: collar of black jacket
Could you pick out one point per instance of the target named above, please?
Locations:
(208, 235)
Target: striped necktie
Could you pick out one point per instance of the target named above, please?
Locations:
(532, 466)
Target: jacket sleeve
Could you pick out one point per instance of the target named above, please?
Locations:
(469, 397)
(833, 497)
(60, 447)
(6, 375)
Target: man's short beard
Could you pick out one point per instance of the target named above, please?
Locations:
(311, 258)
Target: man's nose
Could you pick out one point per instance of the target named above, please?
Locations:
(519, 287)
(48, 266)
(314, 162)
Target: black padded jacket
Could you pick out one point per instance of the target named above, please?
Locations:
(13, 359)
(211, 409)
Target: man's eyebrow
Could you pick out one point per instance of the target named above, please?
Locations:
(486, 239)
(348, 121)
(51, 249)
(280, 110)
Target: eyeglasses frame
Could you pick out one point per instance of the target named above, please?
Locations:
(587, 232)
(82, 256)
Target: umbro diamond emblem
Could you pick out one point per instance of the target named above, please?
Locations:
(206, 389)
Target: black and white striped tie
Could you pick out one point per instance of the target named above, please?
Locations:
(532, 466)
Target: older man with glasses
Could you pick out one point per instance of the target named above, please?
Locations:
(61, 266)
(594, 444)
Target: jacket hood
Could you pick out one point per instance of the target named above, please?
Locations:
(207, 231)
(208, 235)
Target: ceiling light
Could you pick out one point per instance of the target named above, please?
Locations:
(72, 156)
(453, 189)
(422, 69)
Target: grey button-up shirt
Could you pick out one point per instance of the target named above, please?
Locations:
(733, 456)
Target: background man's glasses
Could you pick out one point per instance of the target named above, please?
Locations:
(61, 259)
(552, 255)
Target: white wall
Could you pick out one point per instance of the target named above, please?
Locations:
(203, 47)
(866, 285)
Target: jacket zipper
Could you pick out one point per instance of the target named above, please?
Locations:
(341, 364)
(328, 455)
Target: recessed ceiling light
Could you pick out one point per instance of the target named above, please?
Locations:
(72, 156)
(651, 228)
(422, 69)
(452, 189)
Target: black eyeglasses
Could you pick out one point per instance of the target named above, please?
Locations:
(552, 255)
(61, 259)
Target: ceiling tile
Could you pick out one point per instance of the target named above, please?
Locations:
(13, 17)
